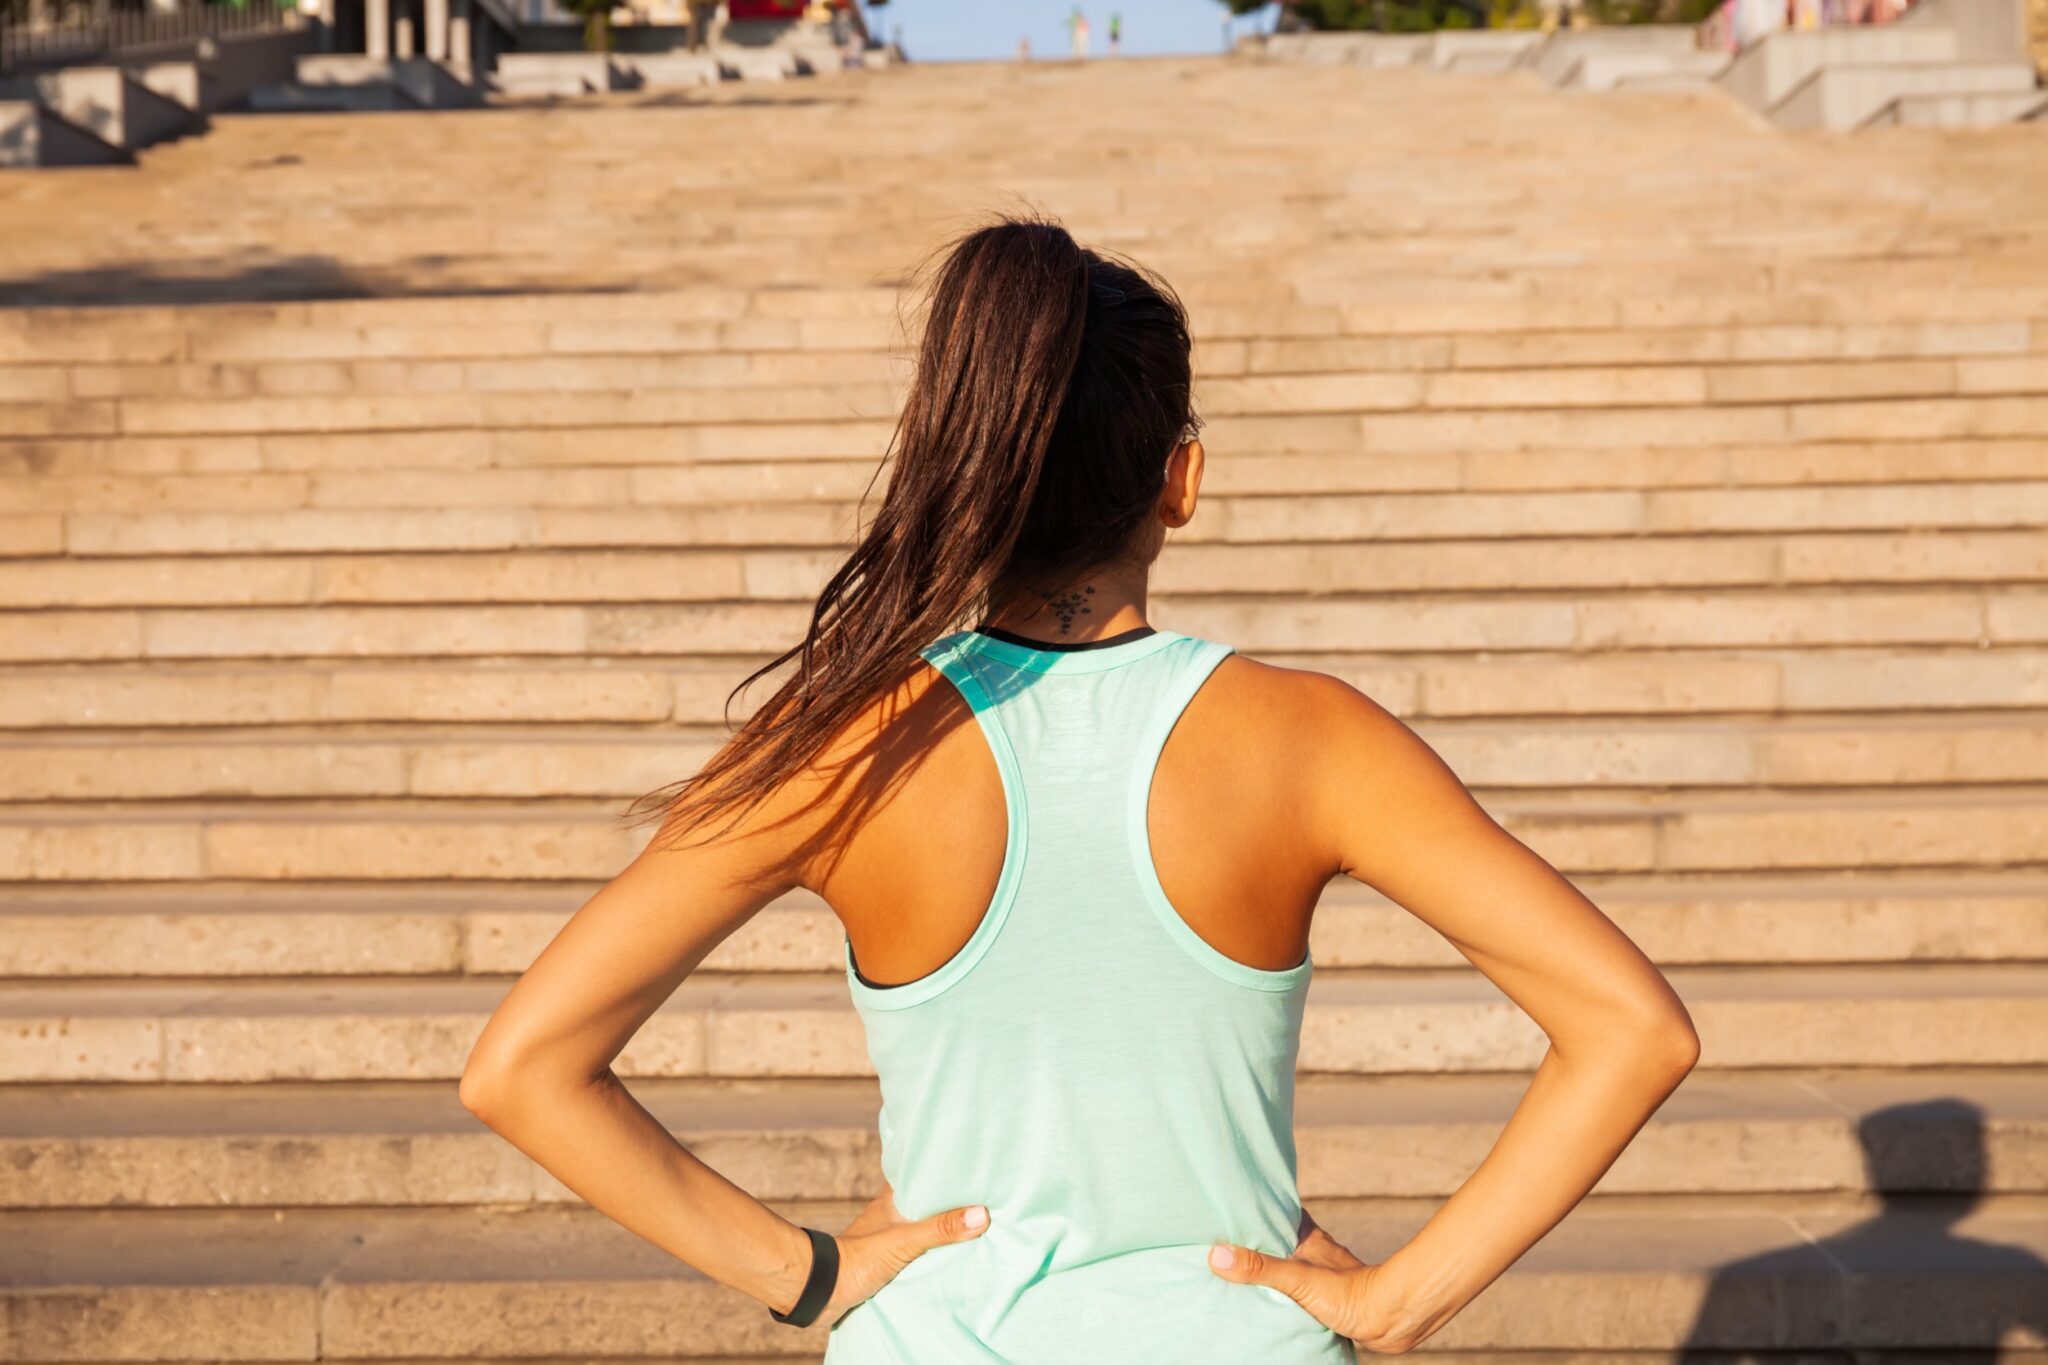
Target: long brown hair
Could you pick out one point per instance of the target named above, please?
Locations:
(1052, 385)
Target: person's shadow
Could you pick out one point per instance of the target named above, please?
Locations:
(1902, 1280)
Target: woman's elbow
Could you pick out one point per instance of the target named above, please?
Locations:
(480, 1090)
(511, 1076)
(489, 1080)
(1671, 1046)
(1653, 1046)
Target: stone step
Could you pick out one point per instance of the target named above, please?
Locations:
(1778, 63)
(1629, 318)
(1400, 428)
(35, 136)
(1304, 236)
(834, 461)
(210, 356)
(1462, 546)
(1959, 110)
(738, 367)
(1303, 377)
(1455, 543)
(1845, 97)
(1626, 620)
(1763, 403)
(1609, 831)
(719, 1025)
(346, 1145)
(799, 462)
(761, 445)
(416, 411)
(1811, 756)
(1800, 681)
(449, 928)
(1313, 496)
(1931, 1274)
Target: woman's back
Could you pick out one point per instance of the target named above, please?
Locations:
(1078, 1057)
(1089, 874)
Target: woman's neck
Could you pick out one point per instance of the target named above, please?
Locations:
(1089, 608)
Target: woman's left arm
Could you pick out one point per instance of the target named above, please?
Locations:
(541, 1072)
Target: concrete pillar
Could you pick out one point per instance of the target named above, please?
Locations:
(437, 29)
(460, 45)
(401, 38)
(377, 28)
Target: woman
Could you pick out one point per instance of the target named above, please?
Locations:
(1075, 858)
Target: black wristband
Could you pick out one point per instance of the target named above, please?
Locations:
(818, 1287)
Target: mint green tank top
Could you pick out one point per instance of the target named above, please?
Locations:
(1118, 1093)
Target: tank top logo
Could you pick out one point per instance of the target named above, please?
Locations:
(1070, 751)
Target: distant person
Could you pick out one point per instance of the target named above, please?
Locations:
(1116, 34)
(1087, 1072)
(702, 15)
(1024, 48)
(1077, 30)
(1757, 19)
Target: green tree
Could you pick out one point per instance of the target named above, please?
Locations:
(1390, 16)
(1414, 16)
(1650, 11)
(597, 22)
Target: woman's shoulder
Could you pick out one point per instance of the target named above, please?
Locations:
(1291, 695)
(1321, 744)
(1286, 709)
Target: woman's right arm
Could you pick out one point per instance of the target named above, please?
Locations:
(1391, 814)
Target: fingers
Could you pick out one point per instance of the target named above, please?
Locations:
(1314, 1244)
(1322, 1249)
(954, 1225)
(879, 1213)
(1298, 1280)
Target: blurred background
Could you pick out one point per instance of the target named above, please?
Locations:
(417, 416)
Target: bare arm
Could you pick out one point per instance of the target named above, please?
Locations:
(541, 1073)
(1395, 817)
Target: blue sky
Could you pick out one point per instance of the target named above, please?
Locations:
(979, 30)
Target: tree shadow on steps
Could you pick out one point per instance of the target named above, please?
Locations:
(270, 279)
(1902, 1280)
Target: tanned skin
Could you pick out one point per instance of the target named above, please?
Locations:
(1323, 783)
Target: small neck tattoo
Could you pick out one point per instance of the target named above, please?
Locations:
(1067, 606)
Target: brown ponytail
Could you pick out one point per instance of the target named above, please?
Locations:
(1051, 386)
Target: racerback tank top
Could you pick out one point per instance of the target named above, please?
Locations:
(1119, 1093)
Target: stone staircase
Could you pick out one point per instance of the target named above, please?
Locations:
(1684, 483)
(103, 115)
(1949, 63)
(76, 116)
